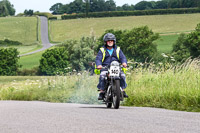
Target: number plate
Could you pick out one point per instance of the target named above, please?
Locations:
(114, 71)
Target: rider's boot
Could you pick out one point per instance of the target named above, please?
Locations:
(101, 95)
(125, 95)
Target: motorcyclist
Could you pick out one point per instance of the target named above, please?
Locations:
(104, 59)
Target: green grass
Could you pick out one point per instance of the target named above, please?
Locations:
(24, 49)
(77, 28)
(30, 61)
(177, 89)
(166, 42)
(22, 29)
(51, 89)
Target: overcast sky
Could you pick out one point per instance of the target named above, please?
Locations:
(44, 5)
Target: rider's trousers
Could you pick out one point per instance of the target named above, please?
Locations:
(101, 84)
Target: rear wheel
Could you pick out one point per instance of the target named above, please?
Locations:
(116, 94)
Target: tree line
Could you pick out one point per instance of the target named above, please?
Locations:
(6, 8)
(85, 6)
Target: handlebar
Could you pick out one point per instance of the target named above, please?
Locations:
(106, 67)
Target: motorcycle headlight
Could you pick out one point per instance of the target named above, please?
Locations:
(114, 63)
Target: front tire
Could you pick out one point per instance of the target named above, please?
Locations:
(116, 94)
(108, 105)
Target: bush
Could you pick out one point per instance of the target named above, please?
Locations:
(29, 72)
(138, 43)
(81, 53)
(48, 15)
(187, 46)
(54, 62)
(180, 52)
(52, 18)
(9, 42)
(9, 61)
(192, 42)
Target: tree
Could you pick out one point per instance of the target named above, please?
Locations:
(6, 8)
(138, 43)
(143, 5)
(87, 7)
(110, 5)
(56, 8)
(127, 7)
(28, 12)
(77, 6)
(161, 5)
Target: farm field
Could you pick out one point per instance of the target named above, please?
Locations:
(62, 30)
(22, 29)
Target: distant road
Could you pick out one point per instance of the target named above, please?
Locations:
(44, 36)
(43, 117)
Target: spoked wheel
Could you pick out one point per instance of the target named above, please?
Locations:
(116, 94)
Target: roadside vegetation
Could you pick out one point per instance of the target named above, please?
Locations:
(176, 88)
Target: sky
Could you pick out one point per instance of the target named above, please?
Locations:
(44, 5)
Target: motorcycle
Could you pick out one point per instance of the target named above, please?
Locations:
(113, 91)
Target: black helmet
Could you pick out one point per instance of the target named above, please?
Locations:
(108, 37)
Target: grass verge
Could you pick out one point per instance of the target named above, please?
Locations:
(177, 88)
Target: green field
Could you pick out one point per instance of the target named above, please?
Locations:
(165, 43)
(76, 28)
(30, 61)
(22, 29)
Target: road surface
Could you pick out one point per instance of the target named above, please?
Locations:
(43, 117)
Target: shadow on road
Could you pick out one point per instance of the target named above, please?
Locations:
(98, 108)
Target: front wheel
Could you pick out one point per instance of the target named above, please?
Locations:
(108, 105)
(116, 93)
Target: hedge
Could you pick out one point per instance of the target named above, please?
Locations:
(52, 18)
(9, 61)
(133, 13)
(9, 42)
(46, 14)
(54, 62)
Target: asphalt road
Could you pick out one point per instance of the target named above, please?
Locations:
(43, 117)
(44, 36)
